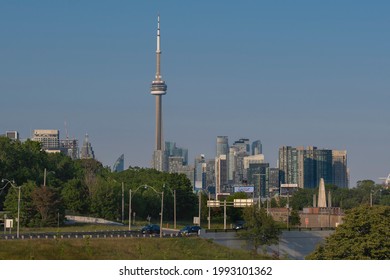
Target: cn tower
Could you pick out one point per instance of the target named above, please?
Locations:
(158, 89)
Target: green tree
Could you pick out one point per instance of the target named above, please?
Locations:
(49, 207)
(294, 218)
(75, 196)
(235, 213)
(105, 199)
(261, 228)
(28, 213)
(302, 198)
(363, 235)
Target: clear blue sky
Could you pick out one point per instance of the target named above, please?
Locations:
(292, 73)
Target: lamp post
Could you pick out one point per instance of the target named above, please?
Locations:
(174, 204)
(45, 175)
(162, 204)
(130, 198)
(209, 217)
(200, 205)
(16, 187)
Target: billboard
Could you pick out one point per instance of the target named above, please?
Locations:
(245, 189)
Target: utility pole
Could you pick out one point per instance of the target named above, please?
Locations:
(129, 209)
(209, 217)
(224, 214)
(200, 203)
(123, 202)
(288, 211)
(162, 209)
(174, 209)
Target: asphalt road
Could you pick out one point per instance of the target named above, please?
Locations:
(292, 245)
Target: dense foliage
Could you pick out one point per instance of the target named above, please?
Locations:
(365, 234)
(261, 229)
(84, 187)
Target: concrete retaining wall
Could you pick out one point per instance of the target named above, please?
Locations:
(90, 220)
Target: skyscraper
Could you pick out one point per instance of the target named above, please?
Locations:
(158, 89)
(14, 135)
(257, 148)
(119, 164)
(222, 145)
(87, 151)
(49, 139)
(221, 174)
(340, 170)
(306, 166)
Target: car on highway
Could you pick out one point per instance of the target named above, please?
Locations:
(239, 225)
(151, 229)
(190, 230)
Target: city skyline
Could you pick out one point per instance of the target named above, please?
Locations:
(302, 74)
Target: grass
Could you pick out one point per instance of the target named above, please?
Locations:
(121, 249)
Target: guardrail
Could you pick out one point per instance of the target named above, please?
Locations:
(285, 229)
(82, 235)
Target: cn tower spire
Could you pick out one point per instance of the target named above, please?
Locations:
(158, 88)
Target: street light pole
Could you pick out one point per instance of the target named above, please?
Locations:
(200, 201)
(16, 187)
(162, 208)
(162, 204)
(17, 231)
(44, 177)
(123, 203)
(174, 204)
(174, 209)
(209, 218)
(129, 209)
(224, 214)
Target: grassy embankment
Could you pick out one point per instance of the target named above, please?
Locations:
(192, 248)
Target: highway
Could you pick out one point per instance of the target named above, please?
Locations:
(292, 245)
(167, 233)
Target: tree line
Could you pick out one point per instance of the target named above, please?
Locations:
(83, 187)
(86, 187)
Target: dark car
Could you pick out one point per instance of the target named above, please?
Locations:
(239, 225)
(150, 229)
(190, 230)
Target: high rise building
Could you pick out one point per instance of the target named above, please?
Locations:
(222, 145)
(70, 147)
(257, 148)
(86, 150)
(172, 150)
(200, 172)
(221, 174)
(14, 135)
(119, 164)
(274, 181)
(49, 139)
(306, 166)
(158, 89)
(323, 159)
(242, 148)
(288, 165)
(258, 176)
(340, 170)
(232, 164)
(210, 173)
